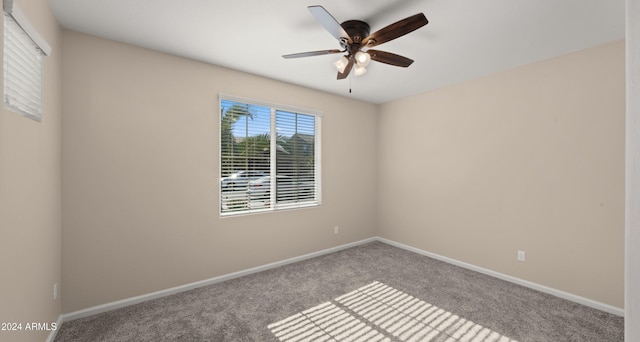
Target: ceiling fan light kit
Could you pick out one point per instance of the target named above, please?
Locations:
(363, 58)
(357, 71)
(341, 63)
(354, 39)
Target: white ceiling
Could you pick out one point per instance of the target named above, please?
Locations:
(464, 39)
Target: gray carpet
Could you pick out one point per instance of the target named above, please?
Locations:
(372, 292)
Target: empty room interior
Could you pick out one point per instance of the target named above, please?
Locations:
(492, 143)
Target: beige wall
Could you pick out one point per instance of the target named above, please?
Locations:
(528, 159)
(140, 174)
(30, 211)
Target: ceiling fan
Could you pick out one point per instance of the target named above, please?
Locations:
(355, 40)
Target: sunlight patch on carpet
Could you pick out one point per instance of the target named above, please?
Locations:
(325, 322)
(378, 312)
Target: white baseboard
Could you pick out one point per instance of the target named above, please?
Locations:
(53, 333)
(565, 295)
(163, 293)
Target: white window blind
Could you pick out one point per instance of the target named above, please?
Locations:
(269, 156)
(24, 50)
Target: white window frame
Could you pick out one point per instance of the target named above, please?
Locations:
(23, 56)
(273, 205)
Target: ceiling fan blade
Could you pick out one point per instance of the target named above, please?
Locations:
(329, 23)
(312, 53)
(389, 58)
(395, 30)
(347, 69)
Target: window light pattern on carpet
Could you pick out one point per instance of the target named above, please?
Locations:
(378, 312)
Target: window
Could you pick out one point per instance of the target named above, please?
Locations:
(24, 50)
(269, 156)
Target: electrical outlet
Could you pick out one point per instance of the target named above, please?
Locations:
(55, 291)
(336, 230)
(521, 256)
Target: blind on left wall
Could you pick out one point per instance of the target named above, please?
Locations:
(23, 54)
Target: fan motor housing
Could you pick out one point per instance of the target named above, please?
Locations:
(357, 30)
